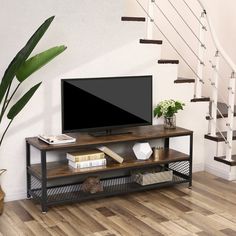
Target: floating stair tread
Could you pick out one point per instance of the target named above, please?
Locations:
(223, 160)
(132, 18)
(223, 109)
(218, 137)
(168, 61)
(203, 99)
(182, 80)
(150, 41)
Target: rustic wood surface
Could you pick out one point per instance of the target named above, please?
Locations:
(84, 140)
(208, 209)
(59, 169)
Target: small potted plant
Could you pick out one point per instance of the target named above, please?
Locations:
(168, 108)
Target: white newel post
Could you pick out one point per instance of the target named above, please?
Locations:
(150, 23)
(230, 124)
(214, 84)
(200, 65)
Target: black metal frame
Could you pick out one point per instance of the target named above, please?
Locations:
(48, 195)
(167, 145)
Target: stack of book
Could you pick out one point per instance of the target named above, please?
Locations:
(86, 159)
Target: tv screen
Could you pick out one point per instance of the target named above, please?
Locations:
(106, 103)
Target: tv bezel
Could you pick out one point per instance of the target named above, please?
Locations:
(106, 129)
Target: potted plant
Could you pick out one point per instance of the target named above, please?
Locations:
(168, 109)
(2, 194)
(20, 68)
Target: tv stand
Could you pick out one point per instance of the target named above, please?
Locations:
(52, 183)
(109, 132)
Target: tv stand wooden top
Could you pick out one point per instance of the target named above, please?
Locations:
(84, 140)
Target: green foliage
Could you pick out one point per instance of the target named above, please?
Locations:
(36, 62)
(21, 56)
(19, 105)
(21, 68)
(168, 108)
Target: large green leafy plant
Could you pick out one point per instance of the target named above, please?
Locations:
(20, 68)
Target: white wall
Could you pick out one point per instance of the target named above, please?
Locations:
(227, 26)
(222, 14)
(99, 44)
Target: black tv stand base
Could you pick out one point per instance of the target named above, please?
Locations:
(109, 132)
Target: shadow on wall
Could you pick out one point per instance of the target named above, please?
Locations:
(89, 28)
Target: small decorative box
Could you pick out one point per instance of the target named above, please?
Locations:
(152, 177)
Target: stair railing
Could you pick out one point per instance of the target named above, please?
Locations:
(201, 39)
(231, 88)
(150, 24)
(154, 24)
(201, 55)
(204, 24)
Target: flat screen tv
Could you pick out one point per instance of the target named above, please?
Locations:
(106, 104)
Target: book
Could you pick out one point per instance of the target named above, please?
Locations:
(56, 139)
(111, 153)
(85, 155)
(87, 164)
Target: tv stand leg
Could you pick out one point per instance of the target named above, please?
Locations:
(44, 182)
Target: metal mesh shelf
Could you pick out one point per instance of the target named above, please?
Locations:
(182, 167)
(111, 187)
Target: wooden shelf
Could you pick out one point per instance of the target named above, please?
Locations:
(61, 169)
(84, 140)
(53, 183)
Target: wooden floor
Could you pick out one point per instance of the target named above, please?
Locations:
(208, 209)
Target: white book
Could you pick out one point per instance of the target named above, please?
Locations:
(56, 139)
(85, 155)
(111, 153)
(87, 164)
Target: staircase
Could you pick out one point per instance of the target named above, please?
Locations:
(207, 71)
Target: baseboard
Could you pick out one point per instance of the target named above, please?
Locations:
(21, 194)
(232, 174)
(218, 172)
(198, 167)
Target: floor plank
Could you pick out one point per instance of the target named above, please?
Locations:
(209, 208)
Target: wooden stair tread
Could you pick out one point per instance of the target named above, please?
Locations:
(182, 80)
(132, 18)
(223, 109)
(150, 41)
(222, 159)
(218, 137)
(203, 99)
(168, 61)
